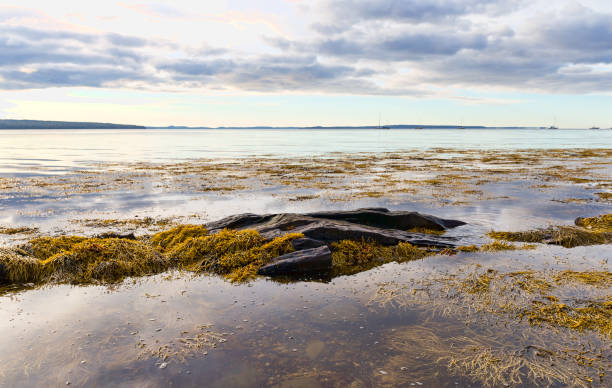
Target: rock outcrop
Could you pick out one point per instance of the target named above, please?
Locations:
(299, 262)
(321, 229)
(378, 225)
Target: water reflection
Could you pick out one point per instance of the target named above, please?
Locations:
(268, 333)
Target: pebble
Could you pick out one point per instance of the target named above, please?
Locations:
(382, 372)
(83, 362)
(163, 365)
(158, 329)
(67, 382)
(403, 368)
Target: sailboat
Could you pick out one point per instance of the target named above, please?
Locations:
(554, 126)
(594, 127)
(383, 127)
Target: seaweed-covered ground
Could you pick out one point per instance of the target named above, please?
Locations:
(524, 300)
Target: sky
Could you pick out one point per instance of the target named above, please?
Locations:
(308, 62)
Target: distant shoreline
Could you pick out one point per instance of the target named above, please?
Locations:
(40, 124)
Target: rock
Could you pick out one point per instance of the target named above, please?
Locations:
(238, 221)
(306, 243)
(126, 236)
(374, 217)
(308, 260)
(329, 230)
(383, 218)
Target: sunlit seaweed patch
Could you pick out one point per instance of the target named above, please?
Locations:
(591, 315)
(535, 296)
(74, 259)
(497, 246)
(135, 222)
(589, 231)
(17, 230)
(427, 231)
(601, 223)
(350, 257)
(235, 254)
(551, 350)
(169, 239)
(593, 278)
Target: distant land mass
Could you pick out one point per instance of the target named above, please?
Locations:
(394, 126)
(38, 124)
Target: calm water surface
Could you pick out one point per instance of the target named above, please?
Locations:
(62, 150)
(266, 333)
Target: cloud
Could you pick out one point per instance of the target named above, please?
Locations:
(395, 47)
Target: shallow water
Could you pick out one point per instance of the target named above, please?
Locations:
(295, 334)
(159, 331)
(57, 151)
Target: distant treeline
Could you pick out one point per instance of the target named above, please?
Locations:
(38, 124)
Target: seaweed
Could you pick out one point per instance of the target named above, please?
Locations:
(589, 231)
(349, 257)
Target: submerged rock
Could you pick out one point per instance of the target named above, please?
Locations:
(298, 262)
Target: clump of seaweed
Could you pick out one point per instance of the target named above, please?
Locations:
(45, 247)
(487, 359)
(478, 283)
(594, 315)
(601, 223)
(589, 231)
(497, 246)
(17, 266)
(74, 259)
(17, 230)
(426, 231)
(235, 254)
(349, 257)
(467, 248)
(601, 279)
(169, 239)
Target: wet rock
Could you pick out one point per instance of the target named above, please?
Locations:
(238, 221)
(329, 231)
(304, 261)
(383, 218)
(374, 217)
(126, 236)
(376, 224)
(306, 243)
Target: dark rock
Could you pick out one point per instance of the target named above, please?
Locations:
(299, 262)
(238, 221)
(383, 218)
(306, 243)
(127, 236)
(329, 231)
(374, 224)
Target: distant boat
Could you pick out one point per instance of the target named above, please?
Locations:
(381, 127)
(594, 127)
(553, 127)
